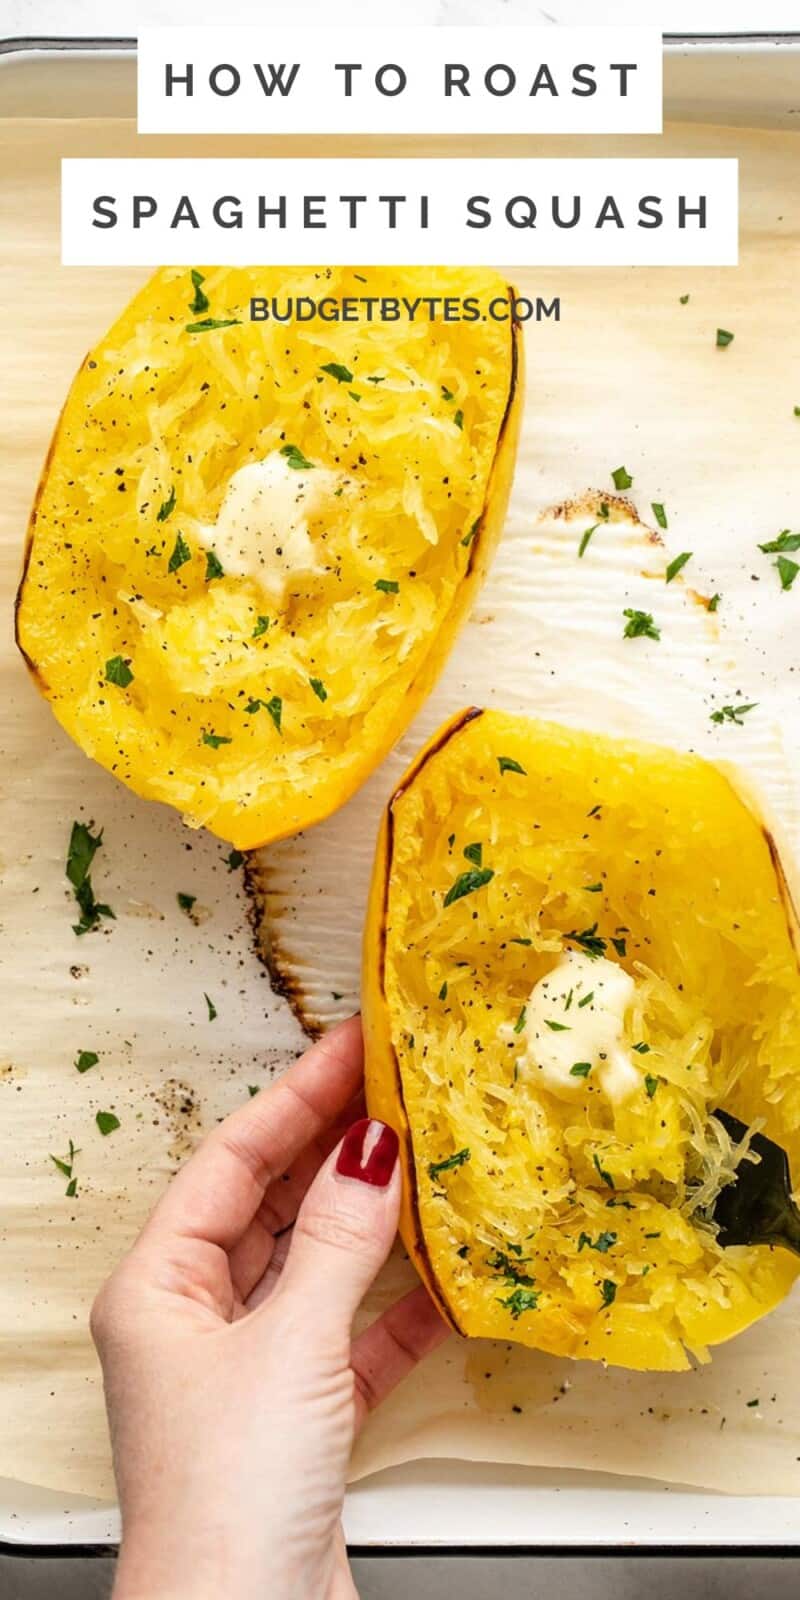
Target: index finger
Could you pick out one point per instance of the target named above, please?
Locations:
(217, 1193)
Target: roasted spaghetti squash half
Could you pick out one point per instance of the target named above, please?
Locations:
(576, 950)
(253, 540)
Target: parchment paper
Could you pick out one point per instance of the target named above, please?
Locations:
(629, 375)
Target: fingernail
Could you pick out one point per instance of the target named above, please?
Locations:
(369, 1153)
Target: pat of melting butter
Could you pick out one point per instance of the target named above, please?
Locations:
(261, 531)
(574, 1021)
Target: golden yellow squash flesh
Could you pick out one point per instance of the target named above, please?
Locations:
(530, 879)
(253, 541)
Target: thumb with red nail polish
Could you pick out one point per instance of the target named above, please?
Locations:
(346, 1225)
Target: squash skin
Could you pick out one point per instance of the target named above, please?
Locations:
(256, 821)
(637, 1336)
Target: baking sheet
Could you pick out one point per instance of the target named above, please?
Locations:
(628, 375)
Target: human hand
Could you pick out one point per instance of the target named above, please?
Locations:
(233, 1386)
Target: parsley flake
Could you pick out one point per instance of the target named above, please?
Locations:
(85, 1060)
(208, 323)
(582, 547)
(787, 571)
(180, 555)
(474, 853)
(449, 1164)
(609, 1291)
(467, 882)
(214, 740)
(167, 506)
(651, 1084)
(214, 567)
(602, 1173)
(732, 713)
(260, 628)
(557, 1027)
(118, 671)
(212, 1010)
(83, 846)
(677, 563)
(336, 370)
(786, 540)
(724, 338)
(200, 303)
(507, 764)
(622, 478)
(387, 585)
(640, 625)
(107, 1122)
(186, 901)
(580, 1069)
(520, 1022)
(659, 513)
(521, 1300)
(295, 458)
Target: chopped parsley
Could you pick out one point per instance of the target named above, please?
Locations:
(212, 1010)
(214, 740)
(714, 602)
(684, 299)
(732, 713)
(622, 478)
(586, 1000)
(459, 419)
(470, 535)
(590, 941)
(214, 567)
(260, 628)
(180, 555)
(186, 901)
(65, 1167)
(677, 564)
(619, 945)
(651, 1084)
(387, 585)
(557, 1027)
(521, 1300)
(609, 1291)
(640, 625)
(295, 458)
(580, 1069)
(234, 860)
(585, 537)
(212, 322)
(336, 370)
(787, 571)
(273, 706)
(520, 1022)
(474, 853)
(659, 513)
(449, 1164)
(724, 338)
(200, 302)
(467, 883)
(447, 394)
(107, 1122)
(594, 888)
(753, 1403)
(641, 1048)
(507, 764)
(118, 671)
(602, 1173)
(501, 1262)
(167, 506)
(252, 1090)
(521, 941)
(603, 1243)
(443, 991)
(319, 688)
(85, 1060)
(83, 846)
(785, 541)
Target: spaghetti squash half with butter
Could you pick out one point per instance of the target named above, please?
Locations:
(576, 951)
(253, 540)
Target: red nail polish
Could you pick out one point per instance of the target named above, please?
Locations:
(369, 1152)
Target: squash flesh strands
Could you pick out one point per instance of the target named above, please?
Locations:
(255, 681)
(580, 1226)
